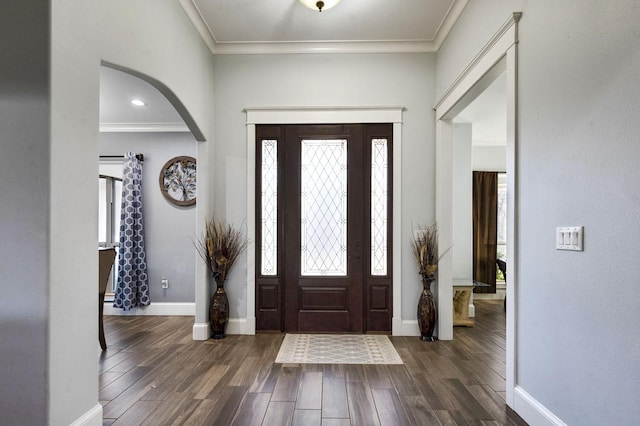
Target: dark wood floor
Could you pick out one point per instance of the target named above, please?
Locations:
(153, 373)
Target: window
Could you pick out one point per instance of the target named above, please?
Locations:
(323, 207)
(109, 201)
(501, 248)
(269, 202)
(379, 206)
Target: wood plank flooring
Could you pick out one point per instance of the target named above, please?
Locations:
(153, 373)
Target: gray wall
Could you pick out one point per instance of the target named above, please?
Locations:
(327, 80)
(48, 128)
(489, 158)
(166, 47)
(169, 229)
(469, 36)
(49, 83)
(578, 348)
(25, 106)
(462, 202)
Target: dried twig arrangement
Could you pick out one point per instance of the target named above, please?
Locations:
(220, 246)
(424, 248)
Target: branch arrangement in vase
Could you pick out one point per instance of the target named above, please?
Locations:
(220, 246)
(424, 248)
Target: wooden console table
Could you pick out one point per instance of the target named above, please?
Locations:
(462, 289)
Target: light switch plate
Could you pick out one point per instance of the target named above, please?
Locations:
(569, 238)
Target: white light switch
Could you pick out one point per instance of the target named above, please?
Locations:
(569, 238)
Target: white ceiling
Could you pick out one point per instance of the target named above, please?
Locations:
(488, 115)
(118, 88)
(246, 26)
(271, 26)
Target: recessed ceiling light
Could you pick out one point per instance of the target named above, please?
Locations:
(138, 102)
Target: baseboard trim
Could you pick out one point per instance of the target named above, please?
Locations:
(93, 417)
(238, 326)
(168, 309)
(472, 310)
(410, 328)
(396, 326)
(201, 331)
(532, 411)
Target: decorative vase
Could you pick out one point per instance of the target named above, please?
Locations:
(219, 311)
(427, 314)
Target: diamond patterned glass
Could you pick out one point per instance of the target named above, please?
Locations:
(323, 207)
(379, 195)
(269, 218)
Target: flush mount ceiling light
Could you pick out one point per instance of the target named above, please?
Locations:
(138, 102)
(319, 5)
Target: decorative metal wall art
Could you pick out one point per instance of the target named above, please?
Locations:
(178, 180)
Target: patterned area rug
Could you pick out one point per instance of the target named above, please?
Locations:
(337, 349)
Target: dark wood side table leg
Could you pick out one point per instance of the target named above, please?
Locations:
(103, 342)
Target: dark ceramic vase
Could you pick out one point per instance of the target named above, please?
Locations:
(219, 311)
(427, 314)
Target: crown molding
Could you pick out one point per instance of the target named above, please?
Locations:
(509, 25)
(454, 12)
(373, 46)
(401, 46)
(143, 127)
(194, 15)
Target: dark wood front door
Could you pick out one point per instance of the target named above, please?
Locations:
(323, 228)
(324, 280)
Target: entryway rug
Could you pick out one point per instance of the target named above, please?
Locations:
(337, 349)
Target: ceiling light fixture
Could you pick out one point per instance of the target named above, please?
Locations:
(319, 5)
(138, 102)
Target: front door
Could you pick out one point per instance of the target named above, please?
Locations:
(325, 273)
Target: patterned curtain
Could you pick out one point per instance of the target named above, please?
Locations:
(133, 287)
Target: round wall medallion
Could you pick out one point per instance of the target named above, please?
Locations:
(178, 180)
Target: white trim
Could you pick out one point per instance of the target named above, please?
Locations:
(495, 46)
(400, 46)
(512, 225)
(498, 56)
(93, 417)
(201, 331)
(444, 219)
(397, 231)
(343, 46)
(144, 127)
(326, 115)
(240, 326)
(194, 15)
(456, 9)
(409, 328)
(251, 226)
(169, 309)
(532, 411)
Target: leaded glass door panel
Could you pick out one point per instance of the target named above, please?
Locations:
(323, 227)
